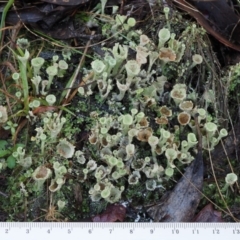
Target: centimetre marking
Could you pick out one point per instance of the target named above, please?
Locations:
(118, 231)
(83, 225)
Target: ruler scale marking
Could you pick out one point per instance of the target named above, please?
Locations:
(117, 231)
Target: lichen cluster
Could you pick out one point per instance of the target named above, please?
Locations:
(169, 137)
(139, 118)
(147, 130)
(117, 142)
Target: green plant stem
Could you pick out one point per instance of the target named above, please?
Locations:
(23, 74)
(4, 14)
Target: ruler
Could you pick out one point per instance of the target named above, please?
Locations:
(119, 231)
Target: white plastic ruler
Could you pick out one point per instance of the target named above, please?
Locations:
(119, 231)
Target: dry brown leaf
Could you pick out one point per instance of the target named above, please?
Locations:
(208, 214)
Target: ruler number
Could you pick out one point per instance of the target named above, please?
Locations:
(48, 231)
(195, 231)
(90, 231)
(69, 231)
(27, 231)
(6, 231)
(110, 230)
(216, 231)
(175, 231)
(151, 231)
(236, 231)
(131, 231)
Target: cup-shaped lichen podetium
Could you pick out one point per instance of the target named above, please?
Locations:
(197, 59)
(141, 56)
(165, 111)
(40, 175)
(169, 172)
(127, 121)
(63, 66)
(122, 88)
(101, 172)
(178, 94)
(37, 64)
(144, 134)
(51, 99)
(167, 55)
(186, 106)
(184, 118)
(51, 71)
(132, 133)
(230, 179)
(162, 120)
(130, 150)
(144, 40)
(120, 53)
(151, 185)
(192, 139)
(165, 136)
(132, 68)
(15, 77)
(171, 154)
(223, 133)
(115, 194)
(106, 192)
(91, 165)
(65, 149)
(202, 114)
(93, 138)
(79, 155)
(163, 36)
(98, 67)
(210, 128)
(153, 56)
(36, 81)
(133, 179)
(153, 141)
(56, 184)
(143, 123)
(131, 22)
(138, 164)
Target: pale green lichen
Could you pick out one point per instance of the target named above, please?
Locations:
(147, 129)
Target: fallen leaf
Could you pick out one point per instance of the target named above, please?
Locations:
(214, 11)
(208, 214)
(43, 109)
(112, 213)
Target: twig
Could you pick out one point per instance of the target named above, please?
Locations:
(4, 194)
(77, 71)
